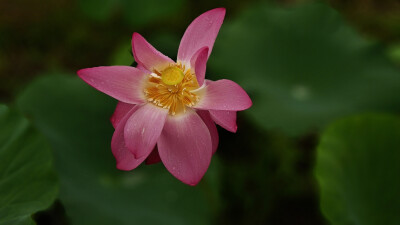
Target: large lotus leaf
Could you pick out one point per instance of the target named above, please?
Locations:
(28, 182)
(303, 66)
(358, 171)
(75, 117)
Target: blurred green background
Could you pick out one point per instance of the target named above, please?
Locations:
(320, 145)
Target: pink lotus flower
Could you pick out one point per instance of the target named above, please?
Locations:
(170, 104)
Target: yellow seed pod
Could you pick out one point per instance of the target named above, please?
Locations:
(172, 75)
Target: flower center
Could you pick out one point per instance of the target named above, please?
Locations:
(172, 75)
(172, 89)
